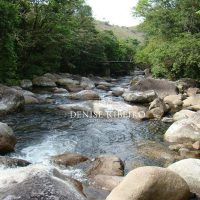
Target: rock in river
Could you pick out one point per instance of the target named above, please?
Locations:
(13, 162)
(68, 159)
(162, 87)
(106, 165)
(7, 138)
(183, 131)
(36, 182)
(147, 183)
(140, 97)
(85, 95)
(10, 100)
(43, 81)
(189, 169)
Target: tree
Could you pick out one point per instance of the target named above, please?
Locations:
(172, 28)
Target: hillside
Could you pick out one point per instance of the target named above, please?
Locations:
(121, 31)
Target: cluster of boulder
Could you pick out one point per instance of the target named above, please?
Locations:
(143, 98)
(179, 181)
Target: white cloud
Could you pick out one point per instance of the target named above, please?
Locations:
(118, 12)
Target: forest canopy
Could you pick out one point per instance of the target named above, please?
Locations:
(39, 36)
(172, 47)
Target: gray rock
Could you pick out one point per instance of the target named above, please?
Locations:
(10, 100)
(13, 162)
(189, 170)
(7, 138)
(162, 87)
(26, 84)
(147, 183)
(140, 97)
(35, 182)
(43, 81)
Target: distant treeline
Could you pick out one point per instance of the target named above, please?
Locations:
(39, 36)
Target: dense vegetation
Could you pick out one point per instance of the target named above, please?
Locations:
(39, 36)
(172, 47)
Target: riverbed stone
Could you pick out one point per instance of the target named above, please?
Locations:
(183, 114)
(68, 159)
(140, 97)
(103, 87)
(196, 145)
(85, 95)
(117, 91)
(192, 91)
(174, 102)
(147, 183)
(183, 131)
(81, 106)
(185, 83)
(158, 108)
(156, 151)
(192, 101)
(106, 165)
(106, 182)
(31, 100)
(11, 100)
(42, 81)
(36, 182)
(189, 153)
(6, 161)
(26, 84)
(162, 87)
(7, 138)
(86, 83)
(113, 109)
(189, 170)
(67, 82)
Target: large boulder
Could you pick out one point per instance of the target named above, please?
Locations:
(189, 169)
(183, 131)
(162, 87)
(7, 138)
(192, 101)
(113, 109)
(85, 95)
(185, 83)
(26, 84)
(67, 82)
(10, 100)
(174, 102)
(106, 165)
(117, 91)
(183, 114)
(68, 159)
(43, 81)
(36, 182)
(87, 84)
(147, 183)
(140, 97)
(158, 108)
(13, 162)
(193, 91)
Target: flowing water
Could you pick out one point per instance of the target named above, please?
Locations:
(43, 131)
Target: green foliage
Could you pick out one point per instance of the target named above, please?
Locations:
(39, 36)
(8, 22)
(173, 39)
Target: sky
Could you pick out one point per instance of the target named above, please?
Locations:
(117, 12)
